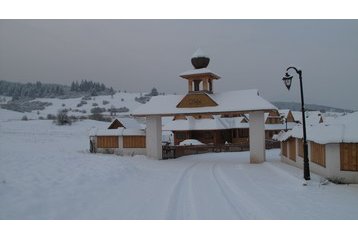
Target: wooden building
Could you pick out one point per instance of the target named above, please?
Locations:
(118, 138)
(332, 148)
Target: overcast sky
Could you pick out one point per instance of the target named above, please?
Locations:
(136, 55)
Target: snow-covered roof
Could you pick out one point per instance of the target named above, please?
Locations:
(232, 101)
(199, 53)
(216, 123)
(116, 132)
(312, 117)
(128, 123)
(199, 71)
(343, 129)
(284, 112)
(280, 126)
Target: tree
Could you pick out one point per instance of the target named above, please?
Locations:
(62, 118)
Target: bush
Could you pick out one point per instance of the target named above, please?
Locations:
(121, 109)
(63, 104)
(24, 118)
(99, 117)
(97, 110)
(105, 102)
(41, 118)
(94, 104)
(62, 118)
(51, 117)
(86, 98)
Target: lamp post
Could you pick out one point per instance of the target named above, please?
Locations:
(287, 79)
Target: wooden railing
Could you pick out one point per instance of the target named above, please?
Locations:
(171, 152)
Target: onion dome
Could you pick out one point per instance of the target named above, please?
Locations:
(199, 60)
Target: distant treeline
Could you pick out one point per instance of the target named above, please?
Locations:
(39, 90)
(89, 86)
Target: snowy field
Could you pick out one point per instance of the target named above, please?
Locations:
(46, 172)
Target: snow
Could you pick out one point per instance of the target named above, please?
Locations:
(116, 132)
(342, 129)
(217, 123)
(71, 105)
(232, 101)
(190, 142)
(47, 172)
(199, 71)
(199, 53)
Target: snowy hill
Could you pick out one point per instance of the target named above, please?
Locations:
(79, 106)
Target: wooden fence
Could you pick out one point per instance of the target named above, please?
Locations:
(171, 152)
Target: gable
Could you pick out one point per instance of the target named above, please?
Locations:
(196, 100)
(115, 124)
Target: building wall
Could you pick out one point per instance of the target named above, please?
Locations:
(120, 150)
(333, 166)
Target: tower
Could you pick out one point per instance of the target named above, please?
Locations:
(201, 78)
(200, 83)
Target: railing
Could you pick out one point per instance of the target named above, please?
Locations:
(171, 152)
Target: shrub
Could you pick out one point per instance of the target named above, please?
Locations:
(24, 118)
(105, 102)
(41, 118)
(62, 118)
(95, 104)
(51, 117)
(97, 110)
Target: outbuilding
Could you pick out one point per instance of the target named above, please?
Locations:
(332, 148)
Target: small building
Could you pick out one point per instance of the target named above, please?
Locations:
(124, 136)
(278, 120)
(332, 148)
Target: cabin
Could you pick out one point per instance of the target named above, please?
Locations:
(124, 136)
(278, 120)
(332, 148)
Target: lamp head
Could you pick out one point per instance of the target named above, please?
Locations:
(287, 79)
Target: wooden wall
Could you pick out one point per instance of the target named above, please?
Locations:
(133, 141)
(284, 148)
(292, 150)
(107, 141)
(318, 154)
(300, 147)
(349, 156)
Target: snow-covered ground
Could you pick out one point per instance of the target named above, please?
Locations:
(46, 172)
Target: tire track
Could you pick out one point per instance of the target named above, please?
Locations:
(173, 211)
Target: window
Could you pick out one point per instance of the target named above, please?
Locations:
(349, 156)
(318, 154)
(107, 141)
(133, 141)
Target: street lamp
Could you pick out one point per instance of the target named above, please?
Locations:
(287, 79)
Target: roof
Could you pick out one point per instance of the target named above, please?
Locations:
(129, 123)
(116, 132)
(199, 72)
(216, 123)
(232, 101)
(284, 112)
(341, 130)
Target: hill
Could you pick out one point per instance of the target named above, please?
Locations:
(294, 106)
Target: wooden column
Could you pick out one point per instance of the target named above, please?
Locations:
(190, 85)
(257, 137)
(205, 85)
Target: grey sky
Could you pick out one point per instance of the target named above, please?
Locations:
(136, 55)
